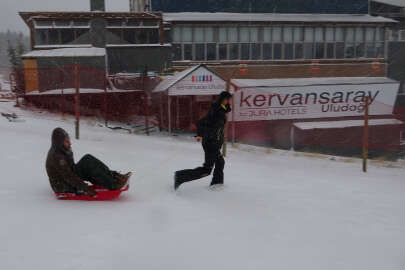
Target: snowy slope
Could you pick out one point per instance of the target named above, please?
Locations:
(278, 211)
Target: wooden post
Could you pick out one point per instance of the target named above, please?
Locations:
(233, 119)
(224, 147)
(105, 100)
(77, 99)
(169, 113)
(147, 113)
(365, 133)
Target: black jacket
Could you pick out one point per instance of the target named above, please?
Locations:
(60, 166)
(211, 127)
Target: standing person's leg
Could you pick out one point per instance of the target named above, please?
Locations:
(184, 176)
(96, 172)
(218, 178)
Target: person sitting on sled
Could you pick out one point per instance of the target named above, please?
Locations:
(210, 130)
(67, 177)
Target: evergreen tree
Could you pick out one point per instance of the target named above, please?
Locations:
(12, 56)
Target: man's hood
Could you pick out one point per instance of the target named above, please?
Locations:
(59, 135)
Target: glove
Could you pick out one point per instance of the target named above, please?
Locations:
(92, 193)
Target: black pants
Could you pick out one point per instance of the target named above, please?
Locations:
(213, 157)
(96, 172)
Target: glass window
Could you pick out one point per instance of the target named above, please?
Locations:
(319, 34)
(276, 34)
(267, 51)
(288, 51)
(244, 34)
(68, 35)
(339, 34)
(188, 52)
(153, 36)
(245, 51)
(309, 34)
(114, 22)
(209, 34)
(349, 50)
(187, 34)
(81, 23)
(369, 34)
(211, 51)
(349, 34)
(233, 34)
(267, 34)
(298, 34)
(309, 50)
(299, 51)
(254, 34)
(135, 22)
(200, 52)
(380, 50)
(198, 34)
(130, 35)
(234, 51)
(48, 23)
(63, 23)
(330, 50)
(277, 51)
(54, 36)
(149, 23)
(41, 36)
(360, 50)
(141, 36)
(222, 34)
(176, 34)
(319, 50)
(330, 34)
(359, 34)
(176, 52)
(223, 51)
(81, 32)
(256, 51)
(370, 50)
(379, 35)
(288, 34)
(340, 50)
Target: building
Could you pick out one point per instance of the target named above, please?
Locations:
(136, 37)
(394, 9)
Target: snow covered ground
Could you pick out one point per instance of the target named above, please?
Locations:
(279, 210)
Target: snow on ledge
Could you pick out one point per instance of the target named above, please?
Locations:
(345, 124)
(71, 91)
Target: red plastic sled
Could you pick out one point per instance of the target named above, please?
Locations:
(102, 195)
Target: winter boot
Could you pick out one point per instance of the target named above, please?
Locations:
(177, 181)
(122, 180)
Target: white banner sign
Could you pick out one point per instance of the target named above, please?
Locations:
(319, 101)
(199, 82)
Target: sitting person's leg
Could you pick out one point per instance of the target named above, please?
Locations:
(96, 172)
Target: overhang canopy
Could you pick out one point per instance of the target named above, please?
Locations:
(194, 81)
(272, 17)
(345, 124)
(67, 52)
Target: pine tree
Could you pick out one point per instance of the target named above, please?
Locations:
(12, 56)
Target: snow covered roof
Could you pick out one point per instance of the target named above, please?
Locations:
(67, 52)
(169, 81)
(273, 17)
(398, 3)
(345, 124)
(296, 82)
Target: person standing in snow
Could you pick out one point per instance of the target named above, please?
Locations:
(67, 177)
(210, 130)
